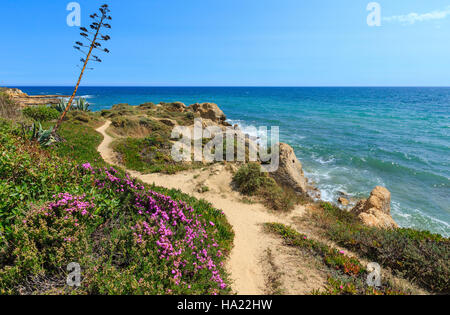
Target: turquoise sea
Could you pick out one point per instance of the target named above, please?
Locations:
(348, 139)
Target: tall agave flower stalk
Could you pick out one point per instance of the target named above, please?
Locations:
(93, 37)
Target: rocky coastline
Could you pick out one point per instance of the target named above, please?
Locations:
(374, 211)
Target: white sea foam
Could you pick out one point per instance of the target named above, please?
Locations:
(419, 219)
(80, 96)
(322, 161)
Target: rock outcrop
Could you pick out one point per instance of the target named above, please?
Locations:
(343, 201)
(209, 111)
(174, 107)
(168, 122)
(14, 92)
(376, 211)
(25, 100)
(290, 170)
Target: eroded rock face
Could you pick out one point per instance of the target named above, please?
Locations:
(209, 111)
(24, 99)
(15, 93)
(380, 199)
(376, 210)
(343, 201)
(290, 170)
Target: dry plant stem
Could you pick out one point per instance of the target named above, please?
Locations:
(81, 75)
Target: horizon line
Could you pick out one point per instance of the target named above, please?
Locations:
(239, 86)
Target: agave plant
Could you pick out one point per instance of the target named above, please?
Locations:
(81, 105)
(44, 137)
(61, 106)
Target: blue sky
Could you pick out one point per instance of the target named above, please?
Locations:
(232, 43)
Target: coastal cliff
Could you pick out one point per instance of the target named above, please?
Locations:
(25, 100)
(147, 119)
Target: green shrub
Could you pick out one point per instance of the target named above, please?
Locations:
(81, 140)
(148, 105)
(190, 115)
(41, 113)
(119, 110)
(28, 174)
(149, 155)
(251, 181)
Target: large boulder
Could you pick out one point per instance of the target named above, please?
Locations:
(290, 170)
(343, 201)
(376, 211)
(209, 111)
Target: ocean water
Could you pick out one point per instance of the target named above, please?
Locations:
(348, 139)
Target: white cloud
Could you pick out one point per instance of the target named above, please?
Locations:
(412, 18)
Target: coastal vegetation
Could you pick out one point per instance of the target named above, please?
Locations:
(251, 181)
(63, 203)
(81, 104)
(129, 238)
(420, 256)
(81, 139)
(347, 274)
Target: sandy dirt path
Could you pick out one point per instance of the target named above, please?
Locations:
(250, 243)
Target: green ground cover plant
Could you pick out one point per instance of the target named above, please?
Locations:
(80, 139)
(128, 237)
(41, 113)
(149, 155)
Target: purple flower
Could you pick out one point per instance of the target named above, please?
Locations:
(87, 166)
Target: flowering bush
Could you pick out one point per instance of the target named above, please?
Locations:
(29, 174)
(46, 241)
(184, 240)
(128, 240)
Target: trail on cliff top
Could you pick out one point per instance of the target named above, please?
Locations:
(250, 243)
